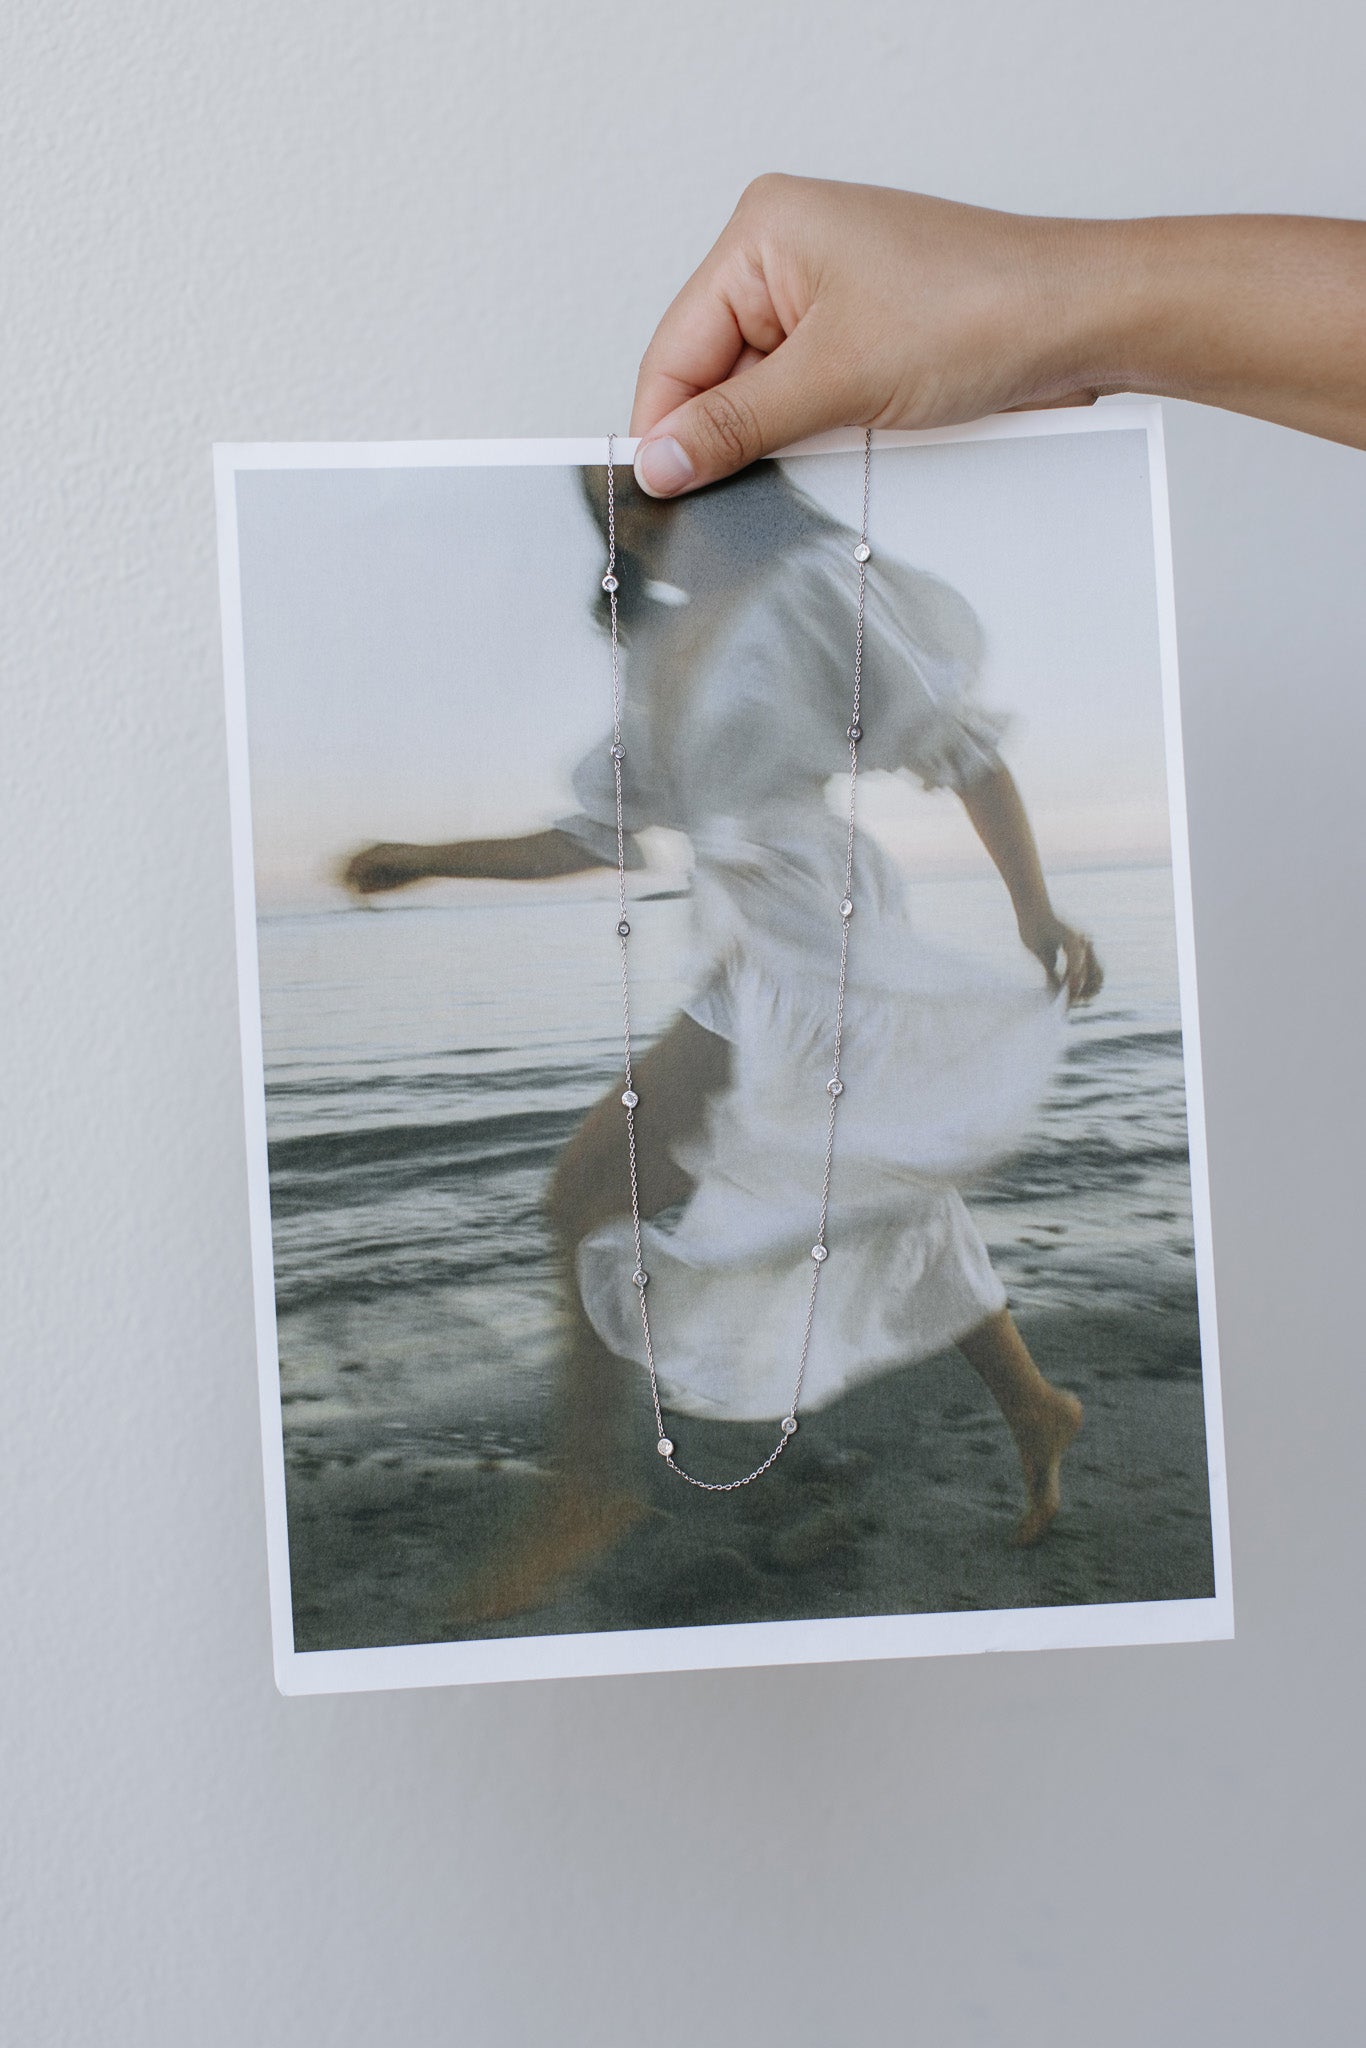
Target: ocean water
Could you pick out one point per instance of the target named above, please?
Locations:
(426, 1061)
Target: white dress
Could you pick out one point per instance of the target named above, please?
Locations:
(943, 1062)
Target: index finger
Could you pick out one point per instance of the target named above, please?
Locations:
(696, 344)
(720, 317)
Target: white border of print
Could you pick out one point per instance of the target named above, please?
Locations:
(769, 1642)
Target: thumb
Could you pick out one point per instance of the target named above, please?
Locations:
(772, 403)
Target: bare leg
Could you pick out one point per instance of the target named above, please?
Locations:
(590, 1501)
(1043, 1419)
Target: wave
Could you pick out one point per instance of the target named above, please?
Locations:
(1108, 1045)
(400, 1155)
(442, 1150)
(443, 1182)
(359, 1082)
(1092, 1169)
(368, 1272)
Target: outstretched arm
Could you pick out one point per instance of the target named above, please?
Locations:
(1001, 822)
(533, 857)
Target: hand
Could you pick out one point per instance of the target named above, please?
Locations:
(1048, 936)
(826, 305)
(388, 865)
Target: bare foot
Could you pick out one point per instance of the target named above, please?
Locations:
(568, 1529)
(1042, 1439)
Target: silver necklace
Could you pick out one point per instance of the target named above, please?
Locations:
(834, 1087)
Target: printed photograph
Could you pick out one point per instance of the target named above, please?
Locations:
(871, 1283)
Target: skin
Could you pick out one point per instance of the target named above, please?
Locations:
(830, 305)
(590, 1504)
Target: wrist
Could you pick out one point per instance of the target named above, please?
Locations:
(1037, 920)
(1140, 320)
(1112, 305)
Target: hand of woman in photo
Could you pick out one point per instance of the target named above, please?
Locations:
(830, 305)
(391, 864)
(999, 818)
(1047, 938)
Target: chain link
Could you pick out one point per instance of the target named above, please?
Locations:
(835, 1084)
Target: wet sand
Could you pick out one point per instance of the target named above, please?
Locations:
(898, 1499)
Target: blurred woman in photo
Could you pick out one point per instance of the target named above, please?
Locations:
(737, 608)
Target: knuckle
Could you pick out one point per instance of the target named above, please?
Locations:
(760, 187)
(766, 188)
(730, 427)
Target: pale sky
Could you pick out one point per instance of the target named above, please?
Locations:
(421, 663)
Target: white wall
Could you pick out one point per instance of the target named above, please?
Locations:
(336, 218)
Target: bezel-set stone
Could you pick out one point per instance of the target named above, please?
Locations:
(820, 1253)
(631, 1099)
(856, 732)
(623, 930)
(609, 583)
(618, 752)
(665, 1447)
(846, 908)
(788, 1425)
(834, 1086)
(863, 553)
(640, 1278)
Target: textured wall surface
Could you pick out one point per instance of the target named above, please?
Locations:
(337, 218)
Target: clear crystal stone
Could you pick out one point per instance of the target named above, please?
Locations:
(618, 753)
(623, 930)
(856, 732)
(834, 1087)
(788, 1425)
(630, 1098)
(609, 583)
(665, 1447)
(819, 1253)
(641, 1278)
(846, 908)
(863, 553)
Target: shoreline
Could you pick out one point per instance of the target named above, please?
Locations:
(900, 1497)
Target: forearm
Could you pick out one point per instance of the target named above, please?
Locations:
(1002, 824)
(1260, 314)
(996, 809)
(533, 856)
